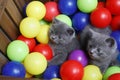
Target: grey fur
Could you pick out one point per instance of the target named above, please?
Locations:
(85, 34)
(101, 48)
(63, 40)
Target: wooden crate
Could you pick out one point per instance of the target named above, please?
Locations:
(10, 17)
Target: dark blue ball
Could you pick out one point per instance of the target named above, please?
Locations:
(67, 7)
(14, 69)
(51, 72)
(80, 20)
(118, 57)
(24, 10)
(116, 36)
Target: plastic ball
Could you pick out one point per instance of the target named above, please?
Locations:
(116, 36)
(115, 23)
(29, 41)
(43, 22)
(68, 7)
(92, 72)
(51, 10)
(29, 27)
(24, 10)
(85, 5)
(45, 49)
(79, 56)
(55, 79)
(80, 20)
(115, 76)
(14, 69)
(35, 63)
(113, 6)
(111, 70)
(101, 4)
(28, 75)
(118, 57)
(71, 70)
(51, 72)
(64, 18)
(101, 17)
(42, 37)
(36, 9)
(17, 50)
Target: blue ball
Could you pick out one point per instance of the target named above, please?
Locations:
(14, 69)
(118, 57)
(24, 10)
(116, 36)
(51, 72)
(67, 7)
(80, 20)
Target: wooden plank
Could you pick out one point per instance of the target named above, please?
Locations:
(9, 27)
(3, 61)
(44, 1)
(20, 4)
(13, 12)
(3, 42)
(13, 78)
(3, 4)
(27, 1)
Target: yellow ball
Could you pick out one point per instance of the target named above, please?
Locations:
(36, 9)
(42, 37)
(28, 75)
(35, 63)
(92, 72)
(29, 27)
(55, 79)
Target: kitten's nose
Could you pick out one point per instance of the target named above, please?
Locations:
(53, 37)
(91, 52)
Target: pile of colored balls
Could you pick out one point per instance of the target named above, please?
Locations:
(30, 52)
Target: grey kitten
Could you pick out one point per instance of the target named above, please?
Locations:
(84, 35)
(101, 48)
(63, 40)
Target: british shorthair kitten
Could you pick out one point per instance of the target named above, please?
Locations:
(101, 48)
(63, 40)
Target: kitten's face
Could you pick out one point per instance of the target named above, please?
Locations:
(60, 33)
(97, 50)
(100, 47)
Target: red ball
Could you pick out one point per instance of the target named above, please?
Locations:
(71, 70)
(45, 49)
(113, 6)
(29, 41)
(115, 76)
(100, 17)
(51, 10)
(101, 4)
(115, 23)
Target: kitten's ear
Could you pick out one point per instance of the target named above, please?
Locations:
(70, 31)
(110, 42)
(92, 33)
(56, 21)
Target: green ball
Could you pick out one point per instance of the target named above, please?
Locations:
(17, 50)
(43, 22)
(87, 6)
(65, 19)
(111, 70)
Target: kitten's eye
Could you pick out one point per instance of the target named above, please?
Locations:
(98, 49)
(90, 46)
(52, 31)
(59, 37)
